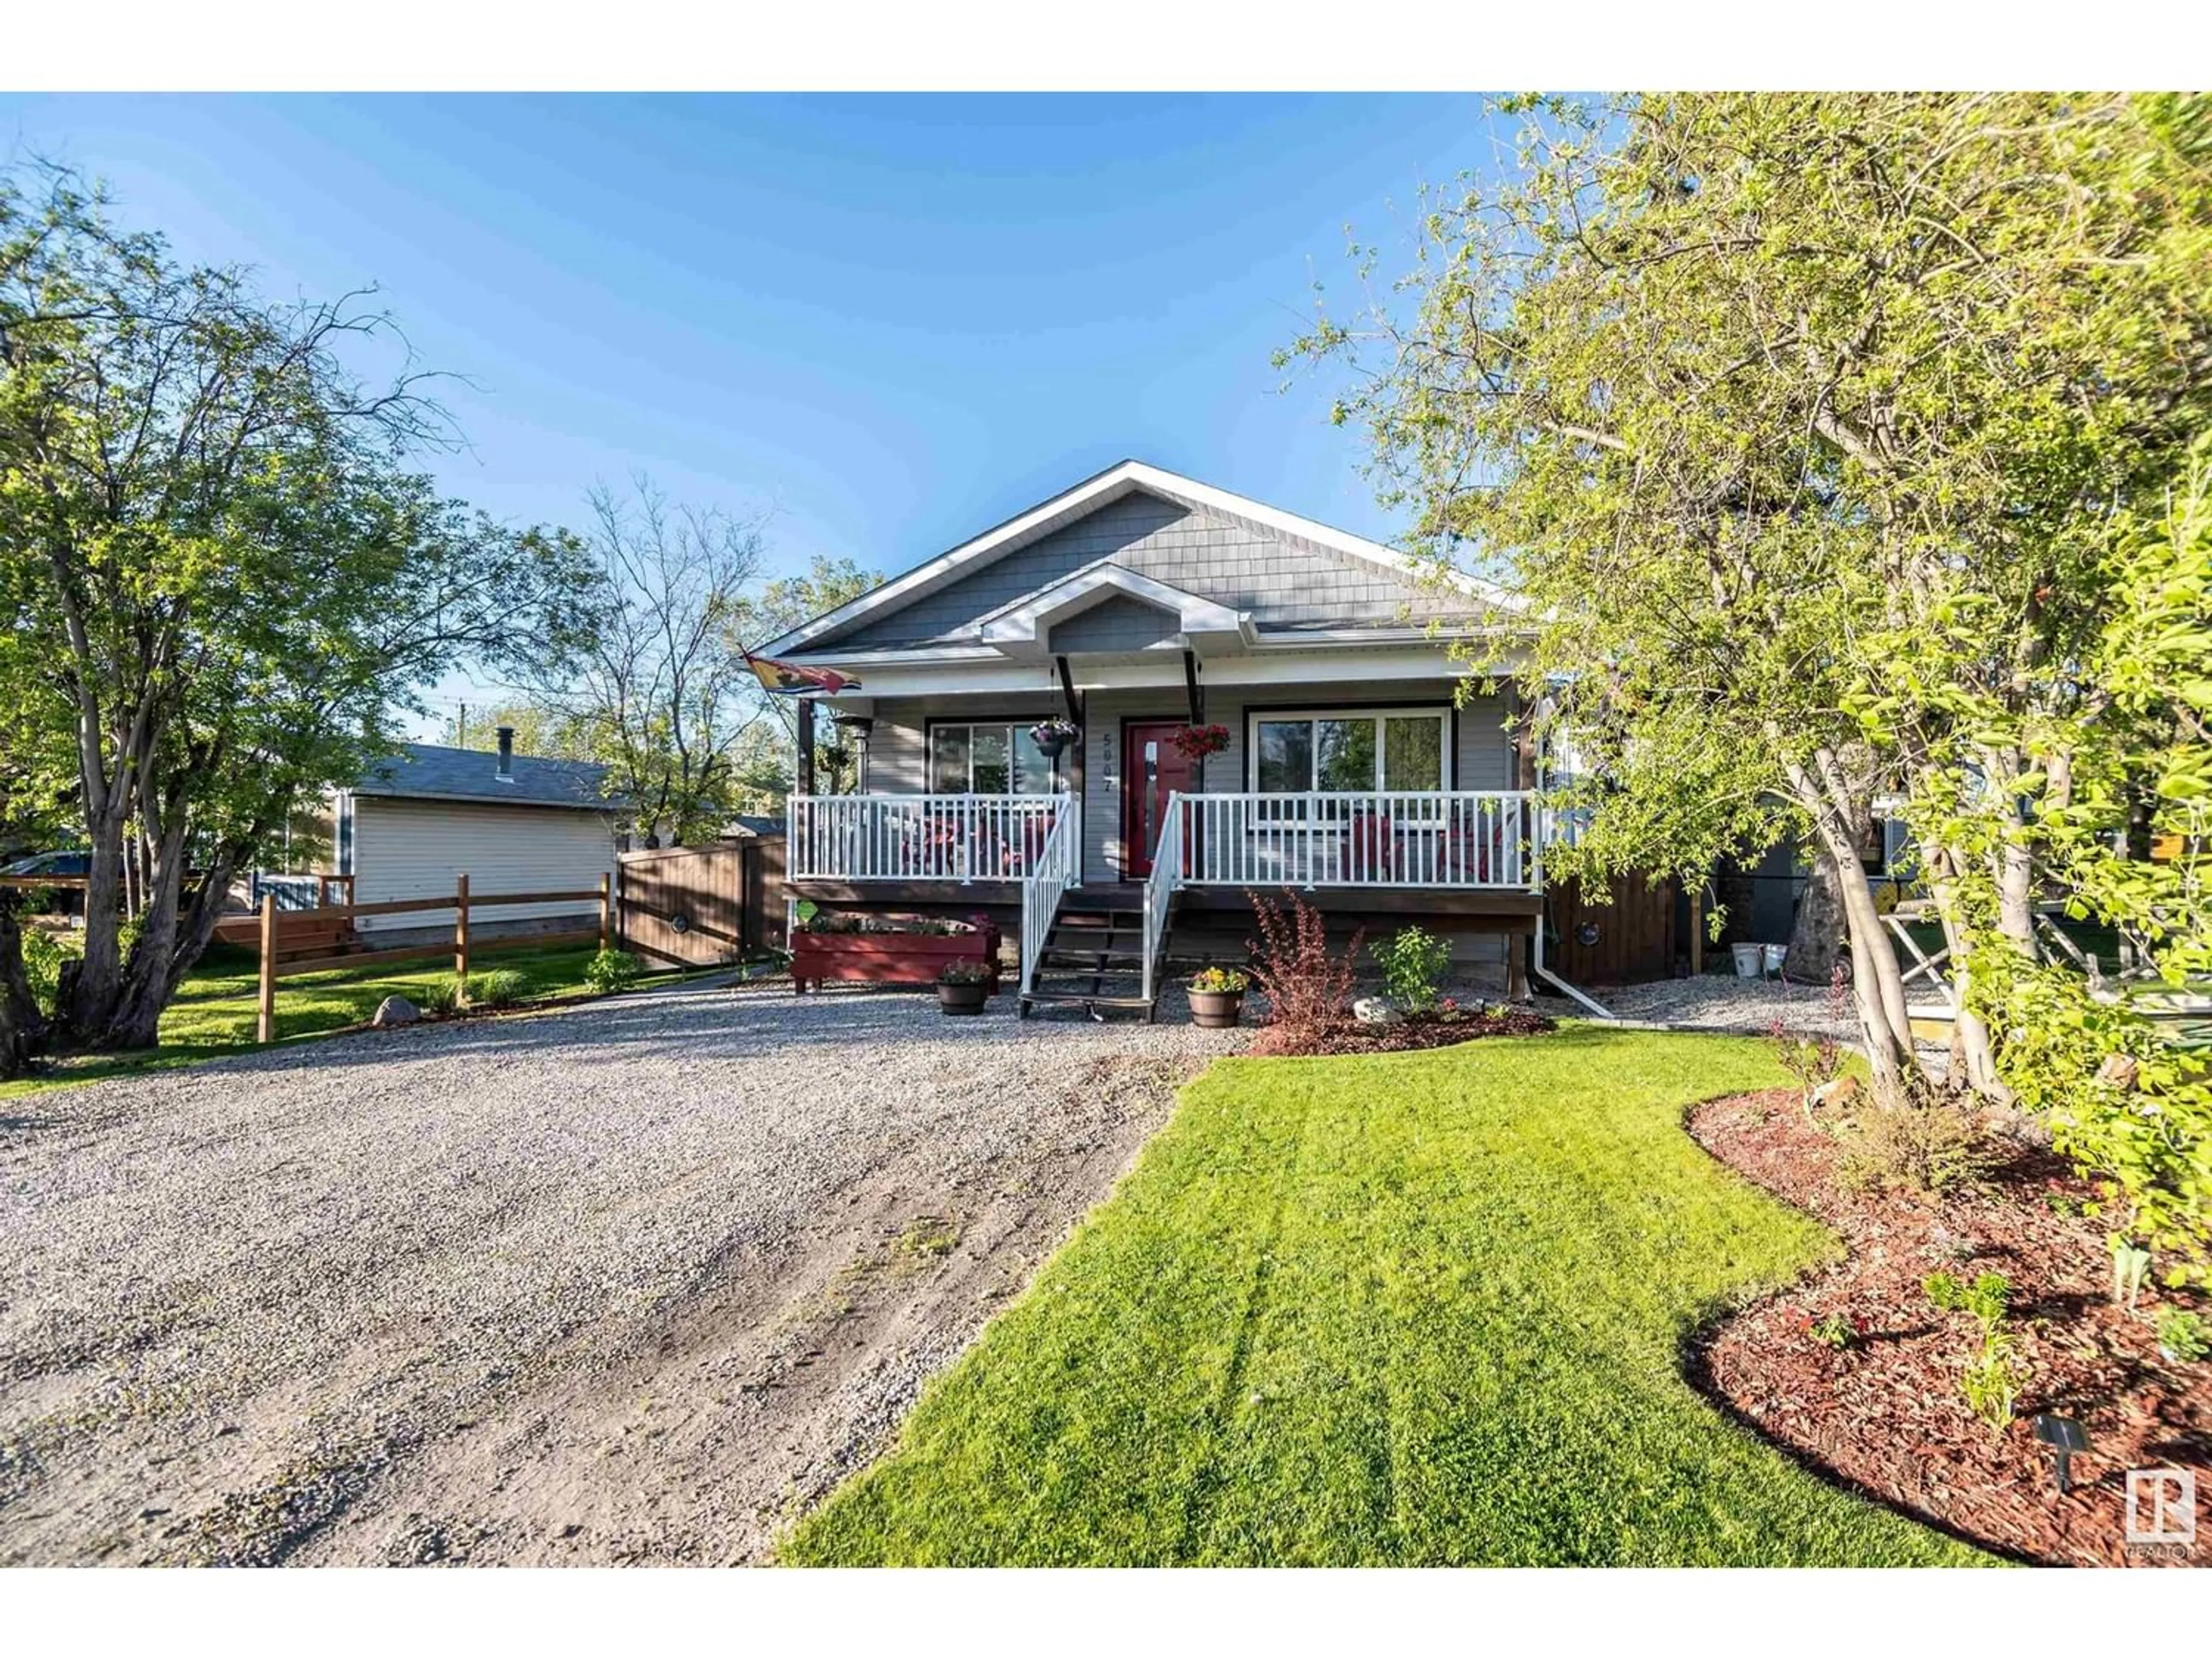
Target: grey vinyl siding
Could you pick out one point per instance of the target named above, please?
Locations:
(1485, 746)
(1284, 581)
(897, 758)
(1117, 624)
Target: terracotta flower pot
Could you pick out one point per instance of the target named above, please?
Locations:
(1216, 1010)
(963, 998)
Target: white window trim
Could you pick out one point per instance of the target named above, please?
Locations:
(1012, 727)
(1254, 719)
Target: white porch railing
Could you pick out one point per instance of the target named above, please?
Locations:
(1160, 887)
(1341, 838)
(1358, 838)
(920, 838)
(1058, 867)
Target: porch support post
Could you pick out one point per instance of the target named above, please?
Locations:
(1197, 692)
(805, 747)
(1517, 947)
(1524, 744)
(1074, 704)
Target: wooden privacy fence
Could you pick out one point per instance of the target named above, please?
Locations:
(461, 901)
(698, 906)
(1629, 941)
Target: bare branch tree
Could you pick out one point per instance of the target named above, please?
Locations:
(662, 694)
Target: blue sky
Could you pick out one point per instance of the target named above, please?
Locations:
(894, 321)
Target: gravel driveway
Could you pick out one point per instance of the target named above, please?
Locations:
(630, 1282)
(1716, 1002)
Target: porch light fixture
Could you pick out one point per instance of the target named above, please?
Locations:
(2064, 1436)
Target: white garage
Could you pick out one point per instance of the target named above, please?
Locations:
(512, 823)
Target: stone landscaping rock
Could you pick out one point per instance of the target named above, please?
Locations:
(1374, 1010)
(395, 1010)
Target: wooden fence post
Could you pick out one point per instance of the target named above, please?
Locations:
(266, 1029)
(606, 910)
(1698, 930)
(461, 933)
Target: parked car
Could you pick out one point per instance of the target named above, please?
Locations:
(66, 864)
(58, 864)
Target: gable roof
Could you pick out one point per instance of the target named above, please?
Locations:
(431, 771)
(1126, 478)
(1024, 627)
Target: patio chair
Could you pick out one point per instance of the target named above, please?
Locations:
(1023, 855)
(1370, 848)
(1475, 849)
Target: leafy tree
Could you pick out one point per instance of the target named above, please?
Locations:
(763, 767)
(783, 605)
(223, 580)
(661, 695)
(538, 731)
(1800, 426)
(664, 698)
(2130, 1106)
(36, 760)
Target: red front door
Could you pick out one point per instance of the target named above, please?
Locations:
(1152, 769)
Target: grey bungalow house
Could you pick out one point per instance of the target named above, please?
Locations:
(1139, 605)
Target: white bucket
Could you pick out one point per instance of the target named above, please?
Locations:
(1747, 960)
(1774, 955)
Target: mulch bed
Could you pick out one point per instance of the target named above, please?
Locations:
(1887, 1416)
(1416, 1031)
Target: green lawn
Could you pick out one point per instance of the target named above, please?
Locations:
(1411, 1309)
(215, 1011)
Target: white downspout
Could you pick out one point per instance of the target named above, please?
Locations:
(1545, 974)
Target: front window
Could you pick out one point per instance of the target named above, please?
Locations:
(1348, 751)
(987, 758)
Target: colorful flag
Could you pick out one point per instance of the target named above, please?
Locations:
(790, 679)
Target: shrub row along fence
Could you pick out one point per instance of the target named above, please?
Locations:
(461, 901)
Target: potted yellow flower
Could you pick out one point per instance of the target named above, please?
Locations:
(1216, 997)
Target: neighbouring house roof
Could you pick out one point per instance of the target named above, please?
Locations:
(1224, 568)
(429, 771)
(753, 823)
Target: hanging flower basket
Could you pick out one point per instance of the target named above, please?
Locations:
(1052, 736)
(1197, 742)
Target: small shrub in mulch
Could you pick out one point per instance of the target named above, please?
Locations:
(495, 989)
(1308, 986)
(1862, 1373)
(1438, 1030)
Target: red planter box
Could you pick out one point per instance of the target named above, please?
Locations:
(890, 959)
